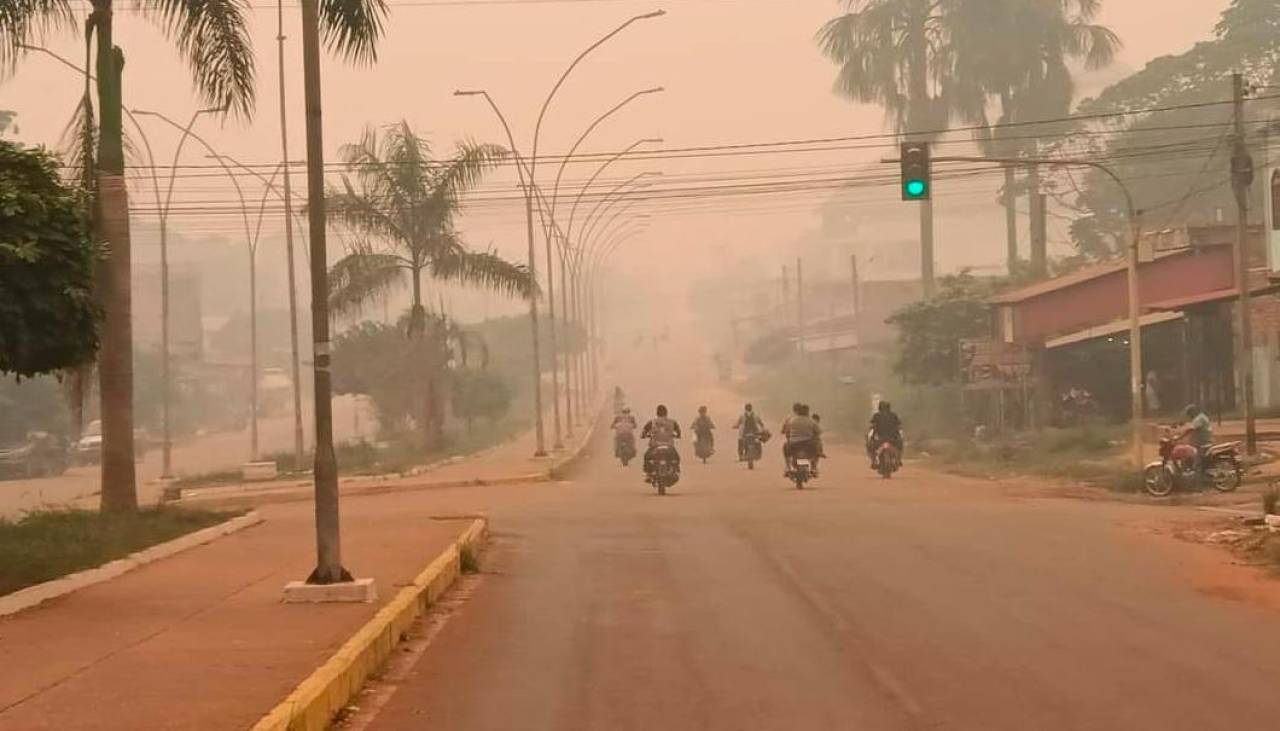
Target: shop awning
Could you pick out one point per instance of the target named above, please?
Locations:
(1207, 298)
(1117, 327)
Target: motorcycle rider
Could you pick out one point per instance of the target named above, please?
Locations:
(749, 424)
(819, 452)
(661, 431)
(703, 426)
(801, 433)
(619, 400)
(1198, 433)
(624, 428)
(885, 427)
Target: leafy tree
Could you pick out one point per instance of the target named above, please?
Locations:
(1176, 162)
(46, 268)
(479, 394)
(930, 331)
(214, 38)
(899, 55)
(401, 204)
(34, 404)
(379, 360)
(1021, 51)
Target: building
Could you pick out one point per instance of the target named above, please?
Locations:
(1076, 327)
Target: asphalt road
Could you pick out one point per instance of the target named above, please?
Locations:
(924, 602)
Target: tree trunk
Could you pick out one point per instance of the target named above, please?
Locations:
(1011, 218)
(115, 360)
(1039, 230)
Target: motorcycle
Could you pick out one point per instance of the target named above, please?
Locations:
(703, 447)
(800, 470)
(888, 461)
(1176, 468)
(664, 469)
(624, 447)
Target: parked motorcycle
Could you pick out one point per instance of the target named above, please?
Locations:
(664, 469)
(888, 461)
(703, 447)
(1176, 468)
(624, 447)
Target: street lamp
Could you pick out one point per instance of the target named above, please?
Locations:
(551, 296)
(252, 244)
(282, 168)
(533, 166)
(526, 186)
(162, 208)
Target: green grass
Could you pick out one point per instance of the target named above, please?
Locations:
(467, 561)
(46, 545)
(1083, 454)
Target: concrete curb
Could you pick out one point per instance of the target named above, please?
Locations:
(306, 493)
(563, 465)
(35, 595)
(316, 700)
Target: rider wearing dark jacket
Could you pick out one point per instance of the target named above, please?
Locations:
(885, 427)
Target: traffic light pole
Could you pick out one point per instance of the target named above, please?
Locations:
(1135, 234)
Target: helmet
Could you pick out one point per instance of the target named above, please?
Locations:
(662, 410)
(1192, 410)
(884, 406)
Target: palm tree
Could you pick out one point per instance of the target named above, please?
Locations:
(897, 54)
(400, 209)
(213, 37)
(1022, 51)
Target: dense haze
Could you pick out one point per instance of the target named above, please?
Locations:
(735, 71)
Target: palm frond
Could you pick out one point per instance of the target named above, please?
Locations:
(352, 28)
(362, 214)
(486, 270)
(361, 277)
(214, 36)
(79, 145)
(24, 22)
(468, 167)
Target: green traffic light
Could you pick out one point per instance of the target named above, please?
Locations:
(916, 188)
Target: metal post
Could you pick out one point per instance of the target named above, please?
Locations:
(294, 362)
(1242, 179)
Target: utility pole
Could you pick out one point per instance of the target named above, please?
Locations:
(857, 285)
(1241, 180)
(926, 247)
(800, 305)
(1011, 218)
(296, 371)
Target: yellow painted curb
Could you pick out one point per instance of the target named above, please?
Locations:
(314, 703)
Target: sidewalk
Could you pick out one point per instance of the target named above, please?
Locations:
(201, 640)
(505, 463)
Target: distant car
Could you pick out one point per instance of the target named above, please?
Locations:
(88, 449)
(40, 455)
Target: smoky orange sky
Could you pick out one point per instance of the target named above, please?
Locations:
(735, 71)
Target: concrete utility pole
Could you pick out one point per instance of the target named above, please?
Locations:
(857, 285)
(800, 305)
(1241, 180)
(1039, 226)
(294, 359)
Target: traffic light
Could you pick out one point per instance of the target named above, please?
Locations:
(917, 178)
